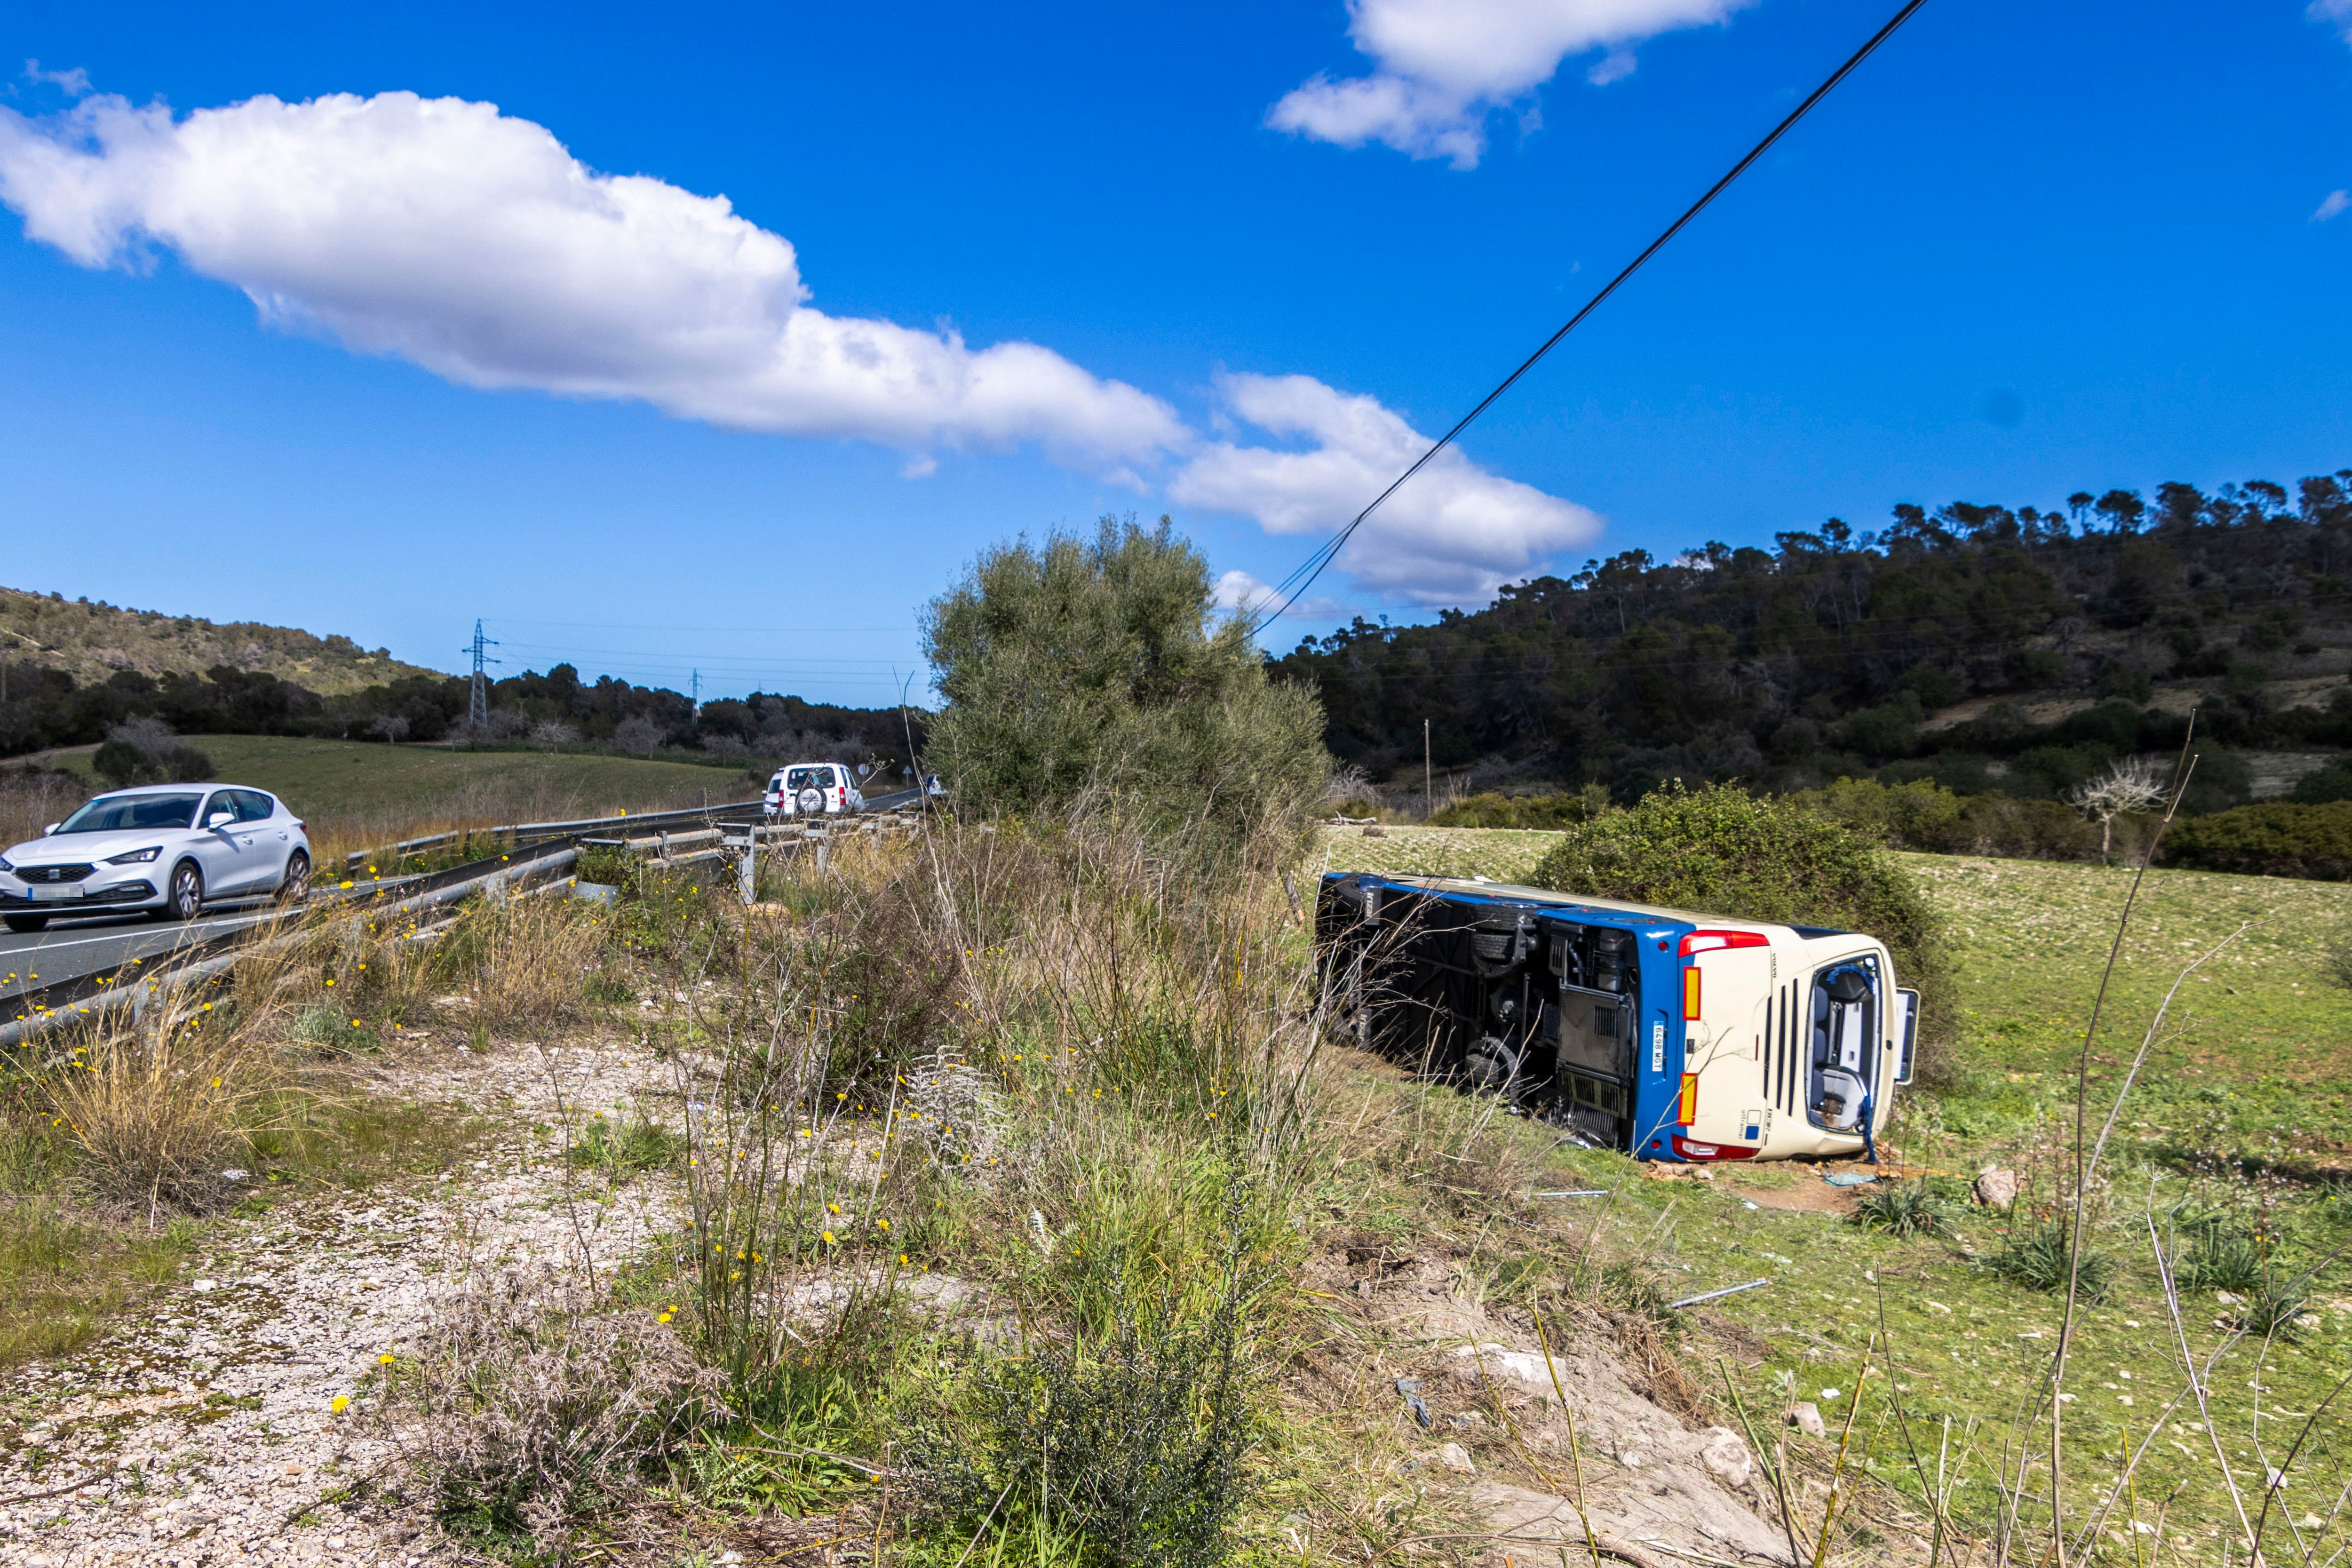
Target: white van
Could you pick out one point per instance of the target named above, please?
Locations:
(812, 789)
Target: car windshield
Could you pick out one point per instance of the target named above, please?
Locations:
(127, 813)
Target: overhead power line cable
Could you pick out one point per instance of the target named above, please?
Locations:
(1303, 576)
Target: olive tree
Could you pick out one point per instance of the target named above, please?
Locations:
(1093, 669)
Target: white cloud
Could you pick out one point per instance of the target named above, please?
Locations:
(1240, 590)
(475, 244)
(1441, 66)
(73, 83)
(2336, 200)
(1451, 535)
(2338, 12)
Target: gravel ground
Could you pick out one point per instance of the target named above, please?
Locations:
(202, 1429)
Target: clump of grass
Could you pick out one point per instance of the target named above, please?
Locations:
(330, 1030)
(2216, 1255)
(2039, 1253)
(626, 1147)
(155, 1109)
(1901, 1208)
(357, 1141)
(2273, 1307)
(525, 961)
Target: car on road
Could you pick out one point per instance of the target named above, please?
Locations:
(812, 789)
(164, 850)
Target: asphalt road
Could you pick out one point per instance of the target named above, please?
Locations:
(74, 947)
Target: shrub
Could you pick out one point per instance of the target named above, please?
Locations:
(536, 1397)
(2332, 782)
(1927, 816)
(1722, 849)
(2276, 838)
(122, 765)
(1088, 669)
(1536, 811)
(1131, 1438)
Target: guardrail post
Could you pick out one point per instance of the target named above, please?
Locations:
(749, 871)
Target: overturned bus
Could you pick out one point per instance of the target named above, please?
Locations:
(1664, 1033)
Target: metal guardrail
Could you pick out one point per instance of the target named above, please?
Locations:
(533, 849)
(525, 833)
(522, 833)
(137, 983)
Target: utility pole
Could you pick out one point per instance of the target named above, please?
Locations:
(1428, 779)
(477, 700)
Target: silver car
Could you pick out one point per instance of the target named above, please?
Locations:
(164, 850)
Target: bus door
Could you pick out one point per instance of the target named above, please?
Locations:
(1594, 1018)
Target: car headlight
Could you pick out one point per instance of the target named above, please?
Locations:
(136, 857)
(5, 869)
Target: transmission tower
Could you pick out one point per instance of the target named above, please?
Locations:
(478, 701)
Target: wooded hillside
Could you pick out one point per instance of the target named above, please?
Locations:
(1986, 647)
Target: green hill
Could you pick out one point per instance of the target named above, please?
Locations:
(91, 641)
(1989, 648)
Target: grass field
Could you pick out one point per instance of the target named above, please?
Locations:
(2241, 1112)
(352, 793)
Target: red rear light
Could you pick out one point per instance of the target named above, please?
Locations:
(1691, 1151)
(1700, 942)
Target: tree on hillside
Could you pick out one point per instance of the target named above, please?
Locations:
(1089, 666)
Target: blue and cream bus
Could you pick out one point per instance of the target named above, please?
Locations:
(1662, 1033)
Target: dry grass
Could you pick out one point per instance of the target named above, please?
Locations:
(525, 962)
(155, 1109)
(538, 1400)
(31, 801)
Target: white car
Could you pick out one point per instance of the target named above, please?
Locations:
(163, 849)
(812, 789)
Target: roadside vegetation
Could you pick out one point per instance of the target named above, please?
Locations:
(1025, 1207)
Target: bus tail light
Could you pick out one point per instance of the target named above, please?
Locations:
(1698, 941)
(1689, 1150)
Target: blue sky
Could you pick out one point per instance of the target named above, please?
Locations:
(2028, 249)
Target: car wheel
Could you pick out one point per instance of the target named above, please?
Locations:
(28, 922)
(186, 898)
(296, 885)
(812, 800)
